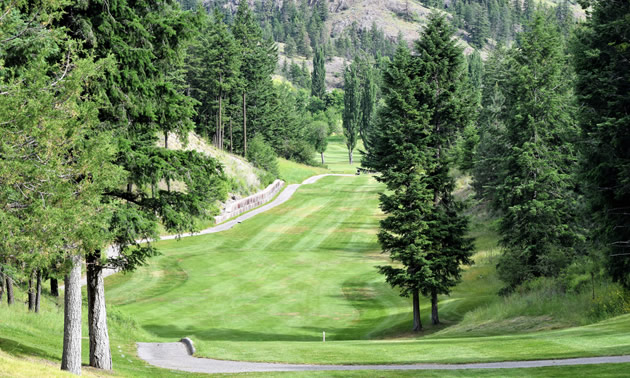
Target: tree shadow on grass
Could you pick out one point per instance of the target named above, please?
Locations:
(17, 349)
(221, 334)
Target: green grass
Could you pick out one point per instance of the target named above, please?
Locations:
(336, 155)
(31, 344)
(609, 370)
(265, 290)
(335, 158)
(294, 173)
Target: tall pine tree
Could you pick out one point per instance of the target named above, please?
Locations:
(259, 61)
(318, 78)
(536, 195)
(602, 63)
(424, 111)
(351, 116)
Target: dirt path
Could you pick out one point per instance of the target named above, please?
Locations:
(175, 356)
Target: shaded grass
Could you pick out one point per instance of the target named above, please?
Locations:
(607, 370)
(31, 344)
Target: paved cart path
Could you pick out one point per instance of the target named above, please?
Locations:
(175, 356)
(283, 197)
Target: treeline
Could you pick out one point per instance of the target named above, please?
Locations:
(89, 94)
(229, 69)
(498, 20)
(551, 153)
(301, 26)
(543, 128)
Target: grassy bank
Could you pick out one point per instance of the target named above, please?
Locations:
(31, 344)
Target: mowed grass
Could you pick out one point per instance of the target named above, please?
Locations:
(294, 173)
(267, 289)
(336, 155)
(336, 160)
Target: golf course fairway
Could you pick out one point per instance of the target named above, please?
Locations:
(266, 290)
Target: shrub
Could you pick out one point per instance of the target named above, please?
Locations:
(299, 151)
(612, 301)
(262, 156)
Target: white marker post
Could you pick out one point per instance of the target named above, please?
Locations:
(324, 336)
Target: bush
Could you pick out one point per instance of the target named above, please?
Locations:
(262, 156)
(299, 151)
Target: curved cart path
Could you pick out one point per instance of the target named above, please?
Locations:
(283, 197)
(175, 356)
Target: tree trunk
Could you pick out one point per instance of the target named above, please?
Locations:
(71, 357)
(54, 287)
(31, 293)
(350, 156)
(322, 158)
(38, 292)
(435, 319)
(10, 298)
(417, 323)
(244, 124)
(100, 353)
(2, 285)
(231, 144)
(220, 131)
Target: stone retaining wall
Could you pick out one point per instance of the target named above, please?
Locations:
(234, 208)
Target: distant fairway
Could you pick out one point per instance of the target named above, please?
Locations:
(265, 291)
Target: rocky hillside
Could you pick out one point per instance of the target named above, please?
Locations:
(345, 27)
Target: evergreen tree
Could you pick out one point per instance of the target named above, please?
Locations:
(290, 48)
(528, 11)
(475, 73)
(481, 27)
(140, 101)
(55, 160)
(318, 84)
(602, 62)
(492, 147)
(352, 107)
(259, 62)
(423, 112)
(536, 195)
(368, 101)
(213, 75)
